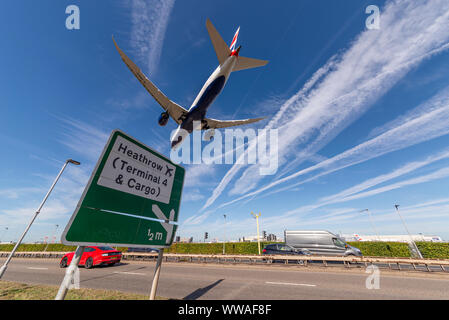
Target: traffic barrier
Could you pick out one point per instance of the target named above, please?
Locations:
(348, 261)
(305, 261)
(33, 254)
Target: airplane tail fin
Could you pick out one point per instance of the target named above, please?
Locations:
(223, 51)
(234, 40)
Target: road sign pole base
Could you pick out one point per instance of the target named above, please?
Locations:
(156, 275)
(65, 284)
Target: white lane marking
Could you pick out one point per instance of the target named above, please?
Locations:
(292, 284)
(133, 273)
(33, 268)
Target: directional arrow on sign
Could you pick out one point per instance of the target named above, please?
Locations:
(167, 226)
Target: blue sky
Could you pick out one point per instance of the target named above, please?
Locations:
(362, 115)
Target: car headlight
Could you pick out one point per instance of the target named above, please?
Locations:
(104, 255)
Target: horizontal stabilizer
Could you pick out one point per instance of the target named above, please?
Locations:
(248, 63)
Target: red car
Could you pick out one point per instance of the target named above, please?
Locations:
(93, 256)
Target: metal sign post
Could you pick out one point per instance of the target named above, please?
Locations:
(157, 272)
(5, 265)
(67, 281)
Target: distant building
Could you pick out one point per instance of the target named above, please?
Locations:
(183, 240)
(270, 237)
(252, 238)
(392, 238)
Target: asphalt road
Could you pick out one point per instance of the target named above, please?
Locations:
(230, 282)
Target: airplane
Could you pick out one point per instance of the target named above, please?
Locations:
(195, 118)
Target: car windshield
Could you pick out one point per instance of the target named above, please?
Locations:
(339, 243)
(105, 248)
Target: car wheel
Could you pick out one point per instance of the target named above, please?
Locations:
(63, 263)
(352, 256)
(89, 263)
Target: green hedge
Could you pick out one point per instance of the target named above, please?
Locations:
(432, 250)
(217, 248)
(195, 248)
(382, 249)
(373, 249)
(429, 250)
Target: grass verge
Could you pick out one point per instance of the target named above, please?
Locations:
(21, 291)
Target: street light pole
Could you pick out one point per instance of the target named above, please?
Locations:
(257, 221)
(224, 231)
(372, 224)
(5, 265)
(411, 239)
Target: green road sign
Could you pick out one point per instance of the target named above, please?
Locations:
(132, 198)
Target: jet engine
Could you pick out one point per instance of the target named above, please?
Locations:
(163, 119)
(209, 134)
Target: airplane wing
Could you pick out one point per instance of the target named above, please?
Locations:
(173, 109)
(217, 124)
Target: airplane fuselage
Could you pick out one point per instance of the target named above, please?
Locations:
(210, 90)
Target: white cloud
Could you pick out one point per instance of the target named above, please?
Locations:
(199, 175)
(15, 193)
(425, 122)
(438, 174)
(405, 169)
(150, 20)
(348, 84)
(355, 192)
(193, 195)
(196, 219)
(83, 138)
